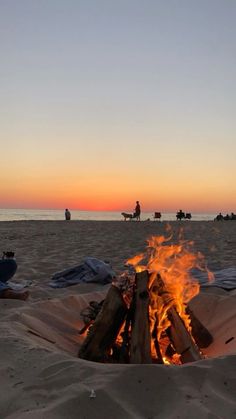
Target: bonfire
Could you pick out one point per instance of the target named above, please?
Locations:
(145, 317)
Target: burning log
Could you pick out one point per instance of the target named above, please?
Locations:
(202, 336)
(151, 328)
(140, 349)
(156, 342)
(177, 332)
(154, 318)
(145, 318)
(181, 338)
(103, 333)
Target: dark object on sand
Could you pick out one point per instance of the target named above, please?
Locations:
(157, 216)
(8, 254)
(180, 215)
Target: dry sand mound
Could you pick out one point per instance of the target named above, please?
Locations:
(40, 375)
(44, 379)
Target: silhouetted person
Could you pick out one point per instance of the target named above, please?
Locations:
(137, 211)
(67, 214)
(180, 214)
(219, 217)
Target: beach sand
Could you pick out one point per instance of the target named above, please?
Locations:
(40, 374)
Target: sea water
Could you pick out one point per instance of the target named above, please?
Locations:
(43, 214)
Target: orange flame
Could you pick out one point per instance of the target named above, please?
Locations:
(173, 262)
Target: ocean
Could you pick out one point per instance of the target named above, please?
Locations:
(34, 214)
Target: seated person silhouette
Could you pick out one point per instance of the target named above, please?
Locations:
(8, 267)
(180, 215)
(219, 217)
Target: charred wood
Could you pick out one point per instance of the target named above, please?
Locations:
(125, 346)
(103, 333)
(156, 342)
(202, 336)
(140, 348)
(177, 332)
(181, 338)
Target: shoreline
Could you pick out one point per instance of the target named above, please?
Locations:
(24, 214)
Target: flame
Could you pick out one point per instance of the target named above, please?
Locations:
(174, 263)
(135, 262)
(171, 286)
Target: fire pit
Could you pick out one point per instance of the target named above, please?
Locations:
(145, 317)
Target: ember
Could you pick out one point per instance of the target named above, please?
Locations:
(145, 316)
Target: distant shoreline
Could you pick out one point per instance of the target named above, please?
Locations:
(56, 215)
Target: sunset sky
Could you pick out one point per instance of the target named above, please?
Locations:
(105, 102)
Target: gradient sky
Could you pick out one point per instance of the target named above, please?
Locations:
(104, 102)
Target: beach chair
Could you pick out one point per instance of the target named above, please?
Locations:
(157, 216)
(188, 215)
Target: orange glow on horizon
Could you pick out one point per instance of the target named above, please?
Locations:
(111, 195)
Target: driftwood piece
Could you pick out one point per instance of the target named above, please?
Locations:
(104, 331)
(202, 336)
(140, 347)
(177, 332)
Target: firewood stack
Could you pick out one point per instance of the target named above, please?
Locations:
(128, 328)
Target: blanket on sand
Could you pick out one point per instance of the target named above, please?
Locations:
(224, 278)
(92, 270)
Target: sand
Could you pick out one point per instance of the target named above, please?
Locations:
(40, 374)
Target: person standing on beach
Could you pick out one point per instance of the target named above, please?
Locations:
(137, 211)
(67, 214)
(8, 267)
